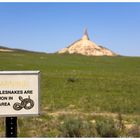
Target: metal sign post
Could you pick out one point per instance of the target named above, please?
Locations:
(11, 127)
(19, 96)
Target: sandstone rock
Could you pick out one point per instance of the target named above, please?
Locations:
(85, 46)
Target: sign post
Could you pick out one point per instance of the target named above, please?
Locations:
(11, 127)
(19, 96)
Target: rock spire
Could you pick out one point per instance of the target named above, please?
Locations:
(85, 46)
(85, 36)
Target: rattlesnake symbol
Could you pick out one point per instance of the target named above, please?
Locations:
(26, 103)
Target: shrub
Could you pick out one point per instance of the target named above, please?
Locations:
(71, 127)
(76, 127)
(106, 128)
(88, 130)
(71, 80)
(120, 125)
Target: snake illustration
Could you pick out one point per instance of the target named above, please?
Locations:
(26, 103)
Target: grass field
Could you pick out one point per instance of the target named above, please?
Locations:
(78, 84)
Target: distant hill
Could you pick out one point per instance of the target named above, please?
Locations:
(7, 49)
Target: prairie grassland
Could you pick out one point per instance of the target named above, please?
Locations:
(75, 84)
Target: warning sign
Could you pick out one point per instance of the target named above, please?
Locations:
(19, 92)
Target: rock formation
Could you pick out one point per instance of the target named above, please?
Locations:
(85, 46)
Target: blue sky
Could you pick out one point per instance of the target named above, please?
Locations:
(49, 26)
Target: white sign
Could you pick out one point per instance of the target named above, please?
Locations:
(19, 93)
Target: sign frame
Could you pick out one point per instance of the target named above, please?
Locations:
(37, 73)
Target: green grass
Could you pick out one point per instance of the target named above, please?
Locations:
(98, 84)
(90, 84)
